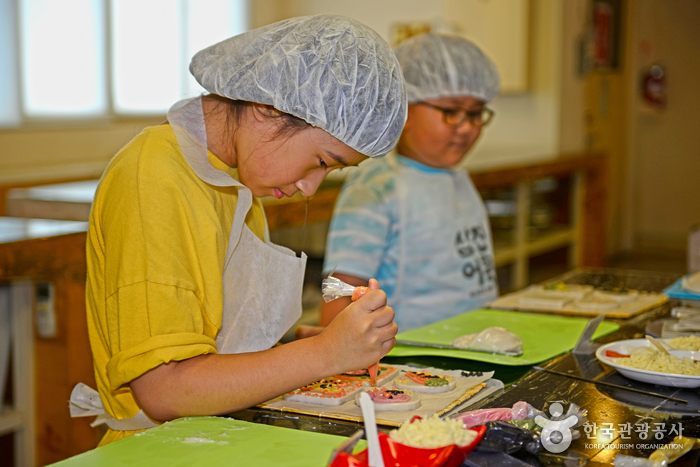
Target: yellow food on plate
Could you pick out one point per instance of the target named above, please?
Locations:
(433, 432)
(685, 343)
(656, 361)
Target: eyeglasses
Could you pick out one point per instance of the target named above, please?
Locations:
(455, 116)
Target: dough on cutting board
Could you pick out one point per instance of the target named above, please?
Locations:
(494, 339)
(597, 304)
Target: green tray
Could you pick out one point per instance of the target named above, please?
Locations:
(213, 441)
(544, 336)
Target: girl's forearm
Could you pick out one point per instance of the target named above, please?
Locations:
(219, 384)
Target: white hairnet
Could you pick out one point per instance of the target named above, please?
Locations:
(438, 65)
(333, 72)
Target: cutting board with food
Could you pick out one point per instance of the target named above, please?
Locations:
(580, 300)
(401, 393)
(562, 334)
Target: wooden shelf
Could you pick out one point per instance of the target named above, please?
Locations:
(583, 183)
(11, 421)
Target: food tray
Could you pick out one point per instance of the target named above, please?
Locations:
(537, 298)
(470, 389)
(676, 291)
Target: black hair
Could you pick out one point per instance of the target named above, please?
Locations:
(287, 125)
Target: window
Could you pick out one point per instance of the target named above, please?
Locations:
(92, 58)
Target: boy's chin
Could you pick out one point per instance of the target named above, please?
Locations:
(452, 162)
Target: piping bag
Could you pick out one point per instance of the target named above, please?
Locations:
(333, 288)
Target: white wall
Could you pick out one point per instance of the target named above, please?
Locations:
(527, 123)
(526, 127)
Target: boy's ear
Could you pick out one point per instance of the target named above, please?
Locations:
(409, 119)
(262, 112)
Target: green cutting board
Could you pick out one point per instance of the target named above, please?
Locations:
(544, 336)
(213, 441)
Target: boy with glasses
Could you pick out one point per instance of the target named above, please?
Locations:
(414, 220)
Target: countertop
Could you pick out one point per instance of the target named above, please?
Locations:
(610, 411)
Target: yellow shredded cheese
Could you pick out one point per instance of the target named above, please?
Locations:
(433, 432)
(657, 361)
(685, 343)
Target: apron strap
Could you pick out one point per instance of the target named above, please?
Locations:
(186, 118)
(86, 402)
(245, 201)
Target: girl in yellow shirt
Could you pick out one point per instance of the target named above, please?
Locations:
(186, 296)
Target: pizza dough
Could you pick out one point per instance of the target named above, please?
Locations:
(328, 391)
(384, 375)
(597, 304)
(406, 382)
(570, 291)
(544, 301)
(391, 400)
(494, 339)
(621, 296)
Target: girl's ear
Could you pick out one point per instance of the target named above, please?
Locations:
(262, 112)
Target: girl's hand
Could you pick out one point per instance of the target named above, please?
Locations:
(362, 333)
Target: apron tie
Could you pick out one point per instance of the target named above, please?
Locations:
(86, 402)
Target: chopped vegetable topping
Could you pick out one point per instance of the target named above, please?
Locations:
(613, 354)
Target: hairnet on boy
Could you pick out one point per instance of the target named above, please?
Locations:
(334, 72)
(439, 65)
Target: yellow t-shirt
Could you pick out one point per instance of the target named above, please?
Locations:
(155, 254)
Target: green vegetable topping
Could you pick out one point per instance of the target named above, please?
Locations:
(436, 382)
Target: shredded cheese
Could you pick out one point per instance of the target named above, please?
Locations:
(433, 432)
(685, 343)
(657, 361)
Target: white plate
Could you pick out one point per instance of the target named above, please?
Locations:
(653, 377)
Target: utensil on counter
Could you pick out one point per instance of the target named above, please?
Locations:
(347, 446)
(374, 451)
(658, 345)
(585, 344)
(616, 386)
(445, 346)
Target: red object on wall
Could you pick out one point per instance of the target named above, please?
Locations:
(653, 86)
(602, 34)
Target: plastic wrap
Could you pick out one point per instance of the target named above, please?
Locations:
(333, 288)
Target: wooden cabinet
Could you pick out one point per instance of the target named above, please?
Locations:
(556, 221)
(52, 366)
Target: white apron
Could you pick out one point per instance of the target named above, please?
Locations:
(435, 209)
(262, 281)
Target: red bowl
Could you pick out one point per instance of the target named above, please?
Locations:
(396, 454)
